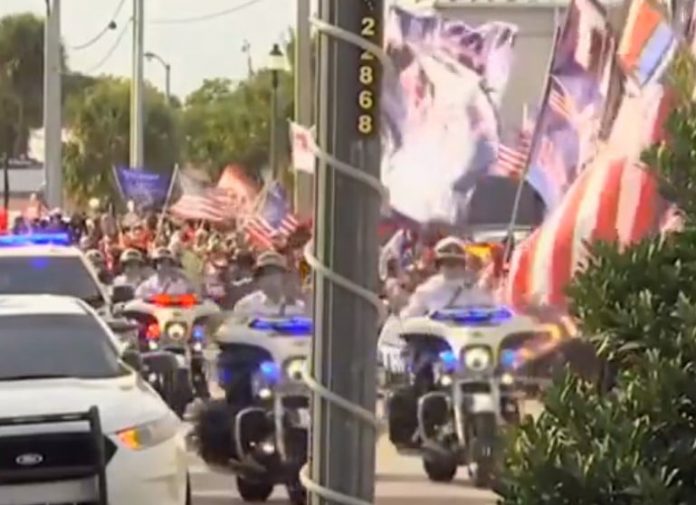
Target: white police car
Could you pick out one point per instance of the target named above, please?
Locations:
(77, 425)
(46, 263)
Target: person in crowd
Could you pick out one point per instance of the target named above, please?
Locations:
(271, 298)
(98, 262)
(452, 286)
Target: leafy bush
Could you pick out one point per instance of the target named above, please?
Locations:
(633, 443)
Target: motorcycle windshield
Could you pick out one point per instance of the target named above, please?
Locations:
(480, 315)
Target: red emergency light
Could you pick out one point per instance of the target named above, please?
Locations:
(165, 300)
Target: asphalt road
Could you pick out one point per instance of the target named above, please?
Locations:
(400, 481)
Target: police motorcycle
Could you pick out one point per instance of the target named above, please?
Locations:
(460, 385)
(259, 432)
(177, 325)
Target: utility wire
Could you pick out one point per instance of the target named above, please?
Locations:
(112, 49)
(109, 26)
(206, 17)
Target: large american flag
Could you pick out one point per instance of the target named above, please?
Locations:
(199, 200)
(272, 220)
(614, 199)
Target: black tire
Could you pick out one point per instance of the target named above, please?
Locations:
(213, 430)
(483, 450)
(183, 393)
(254, 491)
(297, 494)
(440, 469)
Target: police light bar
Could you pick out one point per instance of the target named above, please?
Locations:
(473, 315)
(289, 326)
(62, 239)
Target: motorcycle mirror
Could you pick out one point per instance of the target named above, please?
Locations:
(122, 294)
(133, 359)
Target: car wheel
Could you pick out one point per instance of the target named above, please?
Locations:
(440, 469)
(251, 491)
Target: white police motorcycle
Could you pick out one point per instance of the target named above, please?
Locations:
(259, 432)
(459, 385)
(178, 327)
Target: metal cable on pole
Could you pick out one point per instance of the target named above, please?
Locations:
(109, 26)
(112, 49)
(347, 310)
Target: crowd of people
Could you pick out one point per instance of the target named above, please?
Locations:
(155, 254)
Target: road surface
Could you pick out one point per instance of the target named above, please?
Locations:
(400, 481)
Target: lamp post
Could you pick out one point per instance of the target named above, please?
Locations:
(276, 64)
(167, 73)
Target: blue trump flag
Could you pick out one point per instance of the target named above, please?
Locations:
(148, 189)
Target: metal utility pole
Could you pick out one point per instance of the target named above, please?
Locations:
(304, 84)
(347, 215)
(137, 131)
(52, 105)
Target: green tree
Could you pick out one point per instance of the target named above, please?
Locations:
(630, 439)
(226, 122)
(100, 126)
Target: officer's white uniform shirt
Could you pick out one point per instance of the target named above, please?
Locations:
(258, 304)
(438, 293)
(171, 286)
(124, 280)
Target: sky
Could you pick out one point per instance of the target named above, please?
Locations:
(196, 50)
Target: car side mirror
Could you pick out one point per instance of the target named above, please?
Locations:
(122, 294)
(133, 359)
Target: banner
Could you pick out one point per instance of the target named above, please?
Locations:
(302, 155)
(440, 122)
(147, 189)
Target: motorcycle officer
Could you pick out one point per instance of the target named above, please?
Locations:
(452, 286)
(167, 279)
(271, 298)
(132, 267)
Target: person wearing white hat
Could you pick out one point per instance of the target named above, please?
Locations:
(452, 286)
(270, 299)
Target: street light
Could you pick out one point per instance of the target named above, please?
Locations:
(276, 64)
(167, 73)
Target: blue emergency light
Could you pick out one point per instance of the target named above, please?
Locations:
(449, 359)
(270, 371)
(62, 239)
(473, 315)
(508, 358)
(289, 326)
(198, 333)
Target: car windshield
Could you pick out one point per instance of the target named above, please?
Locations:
(51, 346)
(67, 276)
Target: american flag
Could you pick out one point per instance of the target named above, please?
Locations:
(561, 101)
(200, 200)
(511, 161)
(273, 219)
(613, 199)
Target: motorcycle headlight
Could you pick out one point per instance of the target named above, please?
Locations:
(477, 359)
(150, 434)
(176, 331)
(295, 368)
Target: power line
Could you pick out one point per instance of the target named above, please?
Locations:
(206, 17)
(112, 49)
(111, 25)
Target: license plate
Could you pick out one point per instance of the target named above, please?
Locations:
(304, 418)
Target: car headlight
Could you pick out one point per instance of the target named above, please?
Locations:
(477, 359)
(150, 434)
(294, 368)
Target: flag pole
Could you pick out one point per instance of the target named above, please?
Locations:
(167, 201)
(532, 147)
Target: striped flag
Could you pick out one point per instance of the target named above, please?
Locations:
(273, 220)
(197, 199)
(561, 101)
(613, 199)
(647, 43)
